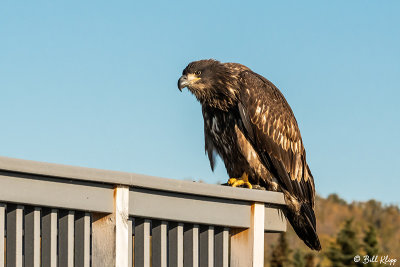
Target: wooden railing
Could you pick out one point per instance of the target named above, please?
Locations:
(57, 215)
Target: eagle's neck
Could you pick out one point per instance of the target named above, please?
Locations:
(223, 95)
(223, 104)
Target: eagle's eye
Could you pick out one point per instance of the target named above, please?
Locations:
(197, 72)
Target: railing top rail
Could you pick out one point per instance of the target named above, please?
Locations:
(137, 180)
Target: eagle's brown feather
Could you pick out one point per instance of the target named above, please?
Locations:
(249, 124)
(275, 133)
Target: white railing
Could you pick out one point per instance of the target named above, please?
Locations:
(57, 215)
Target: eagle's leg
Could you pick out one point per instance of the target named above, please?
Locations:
(242, 181)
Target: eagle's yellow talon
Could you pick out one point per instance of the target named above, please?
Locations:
(231, 181)
(242, 181)
(238, 183)
(248, 185)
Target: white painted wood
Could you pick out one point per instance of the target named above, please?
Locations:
(53, 236)
(103, 239)
(257, 224)
(36, 238)
(247, 245)
(195, 247)
(180, 245)
(211, 246)
(225, 252)
(130, 243)
(2, 225)
(164, 246)
(86, 242)
(71, 226)
(110, 240)
(18, 236)
(121, 226)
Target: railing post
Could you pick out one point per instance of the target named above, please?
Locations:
(175, 244)
(82, 239)
(49, 237)
(206, 249)
(191, 245)
(159, 243)
(14, 236)
(247, 245)
(110, 233)
(221, 247)
(142, 243)
(32, 237)
(2, 223)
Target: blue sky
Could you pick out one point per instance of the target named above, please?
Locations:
(93, 83)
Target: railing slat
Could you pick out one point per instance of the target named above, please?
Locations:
(130, 245)
(221, 247)
(2, 232)
(66, 239)
(142, 243)
(191, 245)
(49, 238)
(14, 236)
(175, 244)
(32, 237)
(82, 239)
(159, 243)
(207, 246)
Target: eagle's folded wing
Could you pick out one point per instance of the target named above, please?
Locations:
(272, 129)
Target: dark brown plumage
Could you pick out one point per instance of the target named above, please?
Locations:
(248, 122)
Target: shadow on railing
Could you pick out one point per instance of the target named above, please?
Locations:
(57, 215)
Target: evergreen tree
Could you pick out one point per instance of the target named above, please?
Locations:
(370, 244)
(334, 255)
(342, 252)
(298, 259)
(280, 253)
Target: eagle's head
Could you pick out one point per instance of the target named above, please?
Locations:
(212, 82)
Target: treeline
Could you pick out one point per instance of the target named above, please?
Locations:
(346, 230)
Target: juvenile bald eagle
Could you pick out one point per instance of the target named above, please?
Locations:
(249, 124)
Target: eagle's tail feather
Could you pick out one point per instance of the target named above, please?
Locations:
(305, 226)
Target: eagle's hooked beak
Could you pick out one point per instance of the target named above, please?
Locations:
(186, 80)
(183, 82)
